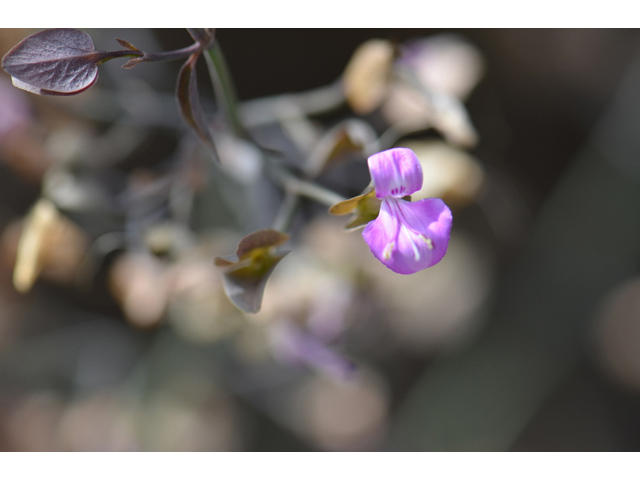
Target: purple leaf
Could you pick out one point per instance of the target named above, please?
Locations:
(133, 62)
(189, 101)
(61, 61)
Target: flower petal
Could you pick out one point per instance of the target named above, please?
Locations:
(382, 232)
(409, 237)
(395, 172)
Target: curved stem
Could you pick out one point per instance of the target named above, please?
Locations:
(286, 212)
(172, 55)
(396, 131)
(287, 106)
(295, 185)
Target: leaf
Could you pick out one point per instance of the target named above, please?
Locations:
(189, 101)
(260, 239)
(247, 272)
(133, 62)
(365, 208)
(347, 206)
(60, 61)
(127, 45)
(244, 284)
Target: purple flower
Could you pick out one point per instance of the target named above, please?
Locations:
(406, 236)
(297, 347)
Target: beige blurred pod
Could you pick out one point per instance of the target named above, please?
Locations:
(366, 79)
(409, 109)
(139, 284)
(445, 63)
(49, 244)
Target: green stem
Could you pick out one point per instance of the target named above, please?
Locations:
(303, 188)
(287, 210)
(291, 106)
(223, 88)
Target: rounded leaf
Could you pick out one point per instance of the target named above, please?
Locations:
(60, 61)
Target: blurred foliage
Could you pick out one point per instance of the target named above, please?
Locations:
(523, 338)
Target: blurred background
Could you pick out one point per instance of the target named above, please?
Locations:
(524, 338)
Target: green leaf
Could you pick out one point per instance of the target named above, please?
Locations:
(248, 270)
(348, 206)
(365, 208)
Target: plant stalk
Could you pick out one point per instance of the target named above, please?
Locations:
(223, 88)
(172, 55)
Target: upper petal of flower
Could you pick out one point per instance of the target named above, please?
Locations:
(395, 172)
(410, 236)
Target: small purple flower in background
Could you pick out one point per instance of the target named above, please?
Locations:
(295, 346)
(406, 236)
(14, 110)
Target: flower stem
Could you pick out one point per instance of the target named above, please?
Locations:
(172, 55)
(287, 210)
(106, 56)
(291, 106)
(297, 186)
